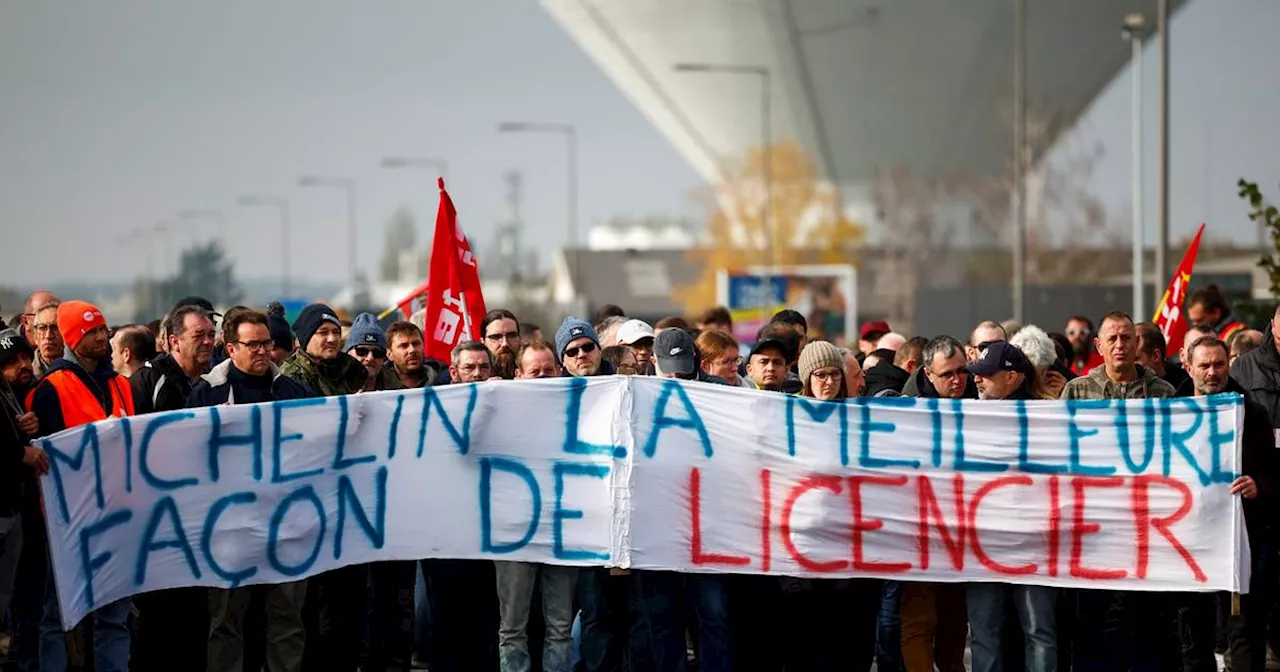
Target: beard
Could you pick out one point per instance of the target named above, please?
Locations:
(505, 364)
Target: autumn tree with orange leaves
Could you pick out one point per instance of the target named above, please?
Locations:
(805, 224)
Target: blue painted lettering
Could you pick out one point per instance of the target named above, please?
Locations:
(233, 577)
(217, 441)
(563, 470)
(577, 387)
(305, 493)
(487, 466)
(278, 439)
(165, 508)
(91, 562)
(375, 531)
(154, 424)
(662, 421)
(865, 459)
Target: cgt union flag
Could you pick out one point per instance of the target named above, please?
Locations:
(455, 305)
(1169, 316)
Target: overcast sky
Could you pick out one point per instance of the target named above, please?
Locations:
(117, 114)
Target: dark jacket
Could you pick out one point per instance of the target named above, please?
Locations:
(1258, 460)
(215, 388)
(160, 385)
(13, 444)
(48, 408)
(918, 385)
(884, 376)
(1178, 378)
(1258, 371)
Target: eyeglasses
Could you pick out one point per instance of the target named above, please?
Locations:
(261, 346)
(363, 351)
(824, 376)
(585, 348)
(1077, 332)
(627, 370)
(511, 336)
(736, 361)
(472, 368)
(43, 329)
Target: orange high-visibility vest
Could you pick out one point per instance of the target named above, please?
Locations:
(80, 406)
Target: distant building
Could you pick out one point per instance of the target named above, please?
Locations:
(644, 233)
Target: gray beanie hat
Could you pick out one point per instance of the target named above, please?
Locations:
(819, 355)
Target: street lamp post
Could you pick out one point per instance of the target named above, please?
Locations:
(353, 236)
(1020, 159)
(426, 162)
(281, 205)
(1134, 30)
(1162, 164)
(570, 133)
(766, 140)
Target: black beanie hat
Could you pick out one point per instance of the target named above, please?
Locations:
(310, 319)
(281, 334)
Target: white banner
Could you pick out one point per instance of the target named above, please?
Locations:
(651, 474)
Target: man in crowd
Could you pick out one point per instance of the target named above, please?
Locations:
(1207, 305)
(249, 376)
(173, 625)
(318, 362)
(607, 329)
(1084, 355)
(638, 336)
(718, 356)
(132, 346)
(869, 335)
(1246, 631)
(715, 319)
(367, 344)
(855, 380)
(407, 354)
(1121, 629)
(45, 337)
(670, 322)
(1245, 340)
(1152, 355)
(164, 383)
(537, 360)
(501, 331)
(987, 331)
(22, 536)
(676, 356)
(769, 363)
(933, 614)
(1000, 373)
(77, 389)
(281, 335)
(516, 580)
(36, 302)
(1258, 371)
(335, 599)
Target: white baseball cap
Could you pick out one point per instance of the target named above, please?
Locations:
(632, 331)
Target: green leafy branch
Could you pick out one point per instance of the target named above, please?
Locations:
(1267, 216)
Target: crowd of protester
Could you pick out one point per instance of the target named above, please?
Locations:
(62, 367)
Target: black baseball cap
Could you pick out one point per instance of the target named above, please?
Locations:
(197, 301)
(675, 351)
(781, 336)
(998, 356)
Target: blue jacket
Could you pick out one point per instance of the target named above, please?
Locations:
(214, 388)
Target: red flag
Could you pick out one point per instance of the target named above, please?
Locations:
(1169, 317)
(455, 304)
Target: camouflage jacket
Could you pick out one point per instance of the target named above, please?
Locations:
(343, 375)
(1096, 385)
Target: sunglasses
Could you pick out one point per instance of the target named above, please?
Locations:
(1077, 332)
(366, 351)
(585, 348)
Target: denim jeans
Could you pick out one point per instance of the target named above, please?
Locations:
(666, 595)
(10, 554)
(515, 581)
(1035, 605)
(615, 632)
(286, 635)
(889, 629)
(110, 634)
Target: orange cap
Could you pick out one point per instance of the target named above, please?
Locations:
(77, 318)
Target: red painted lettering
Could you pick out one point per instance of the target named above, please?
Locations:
(695, 512)
(766, 520)
(831, 483)
(861, 524)
(978, 551)
(1079, 528)
(929, 508)
(1055, 524)
(1142, 519)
